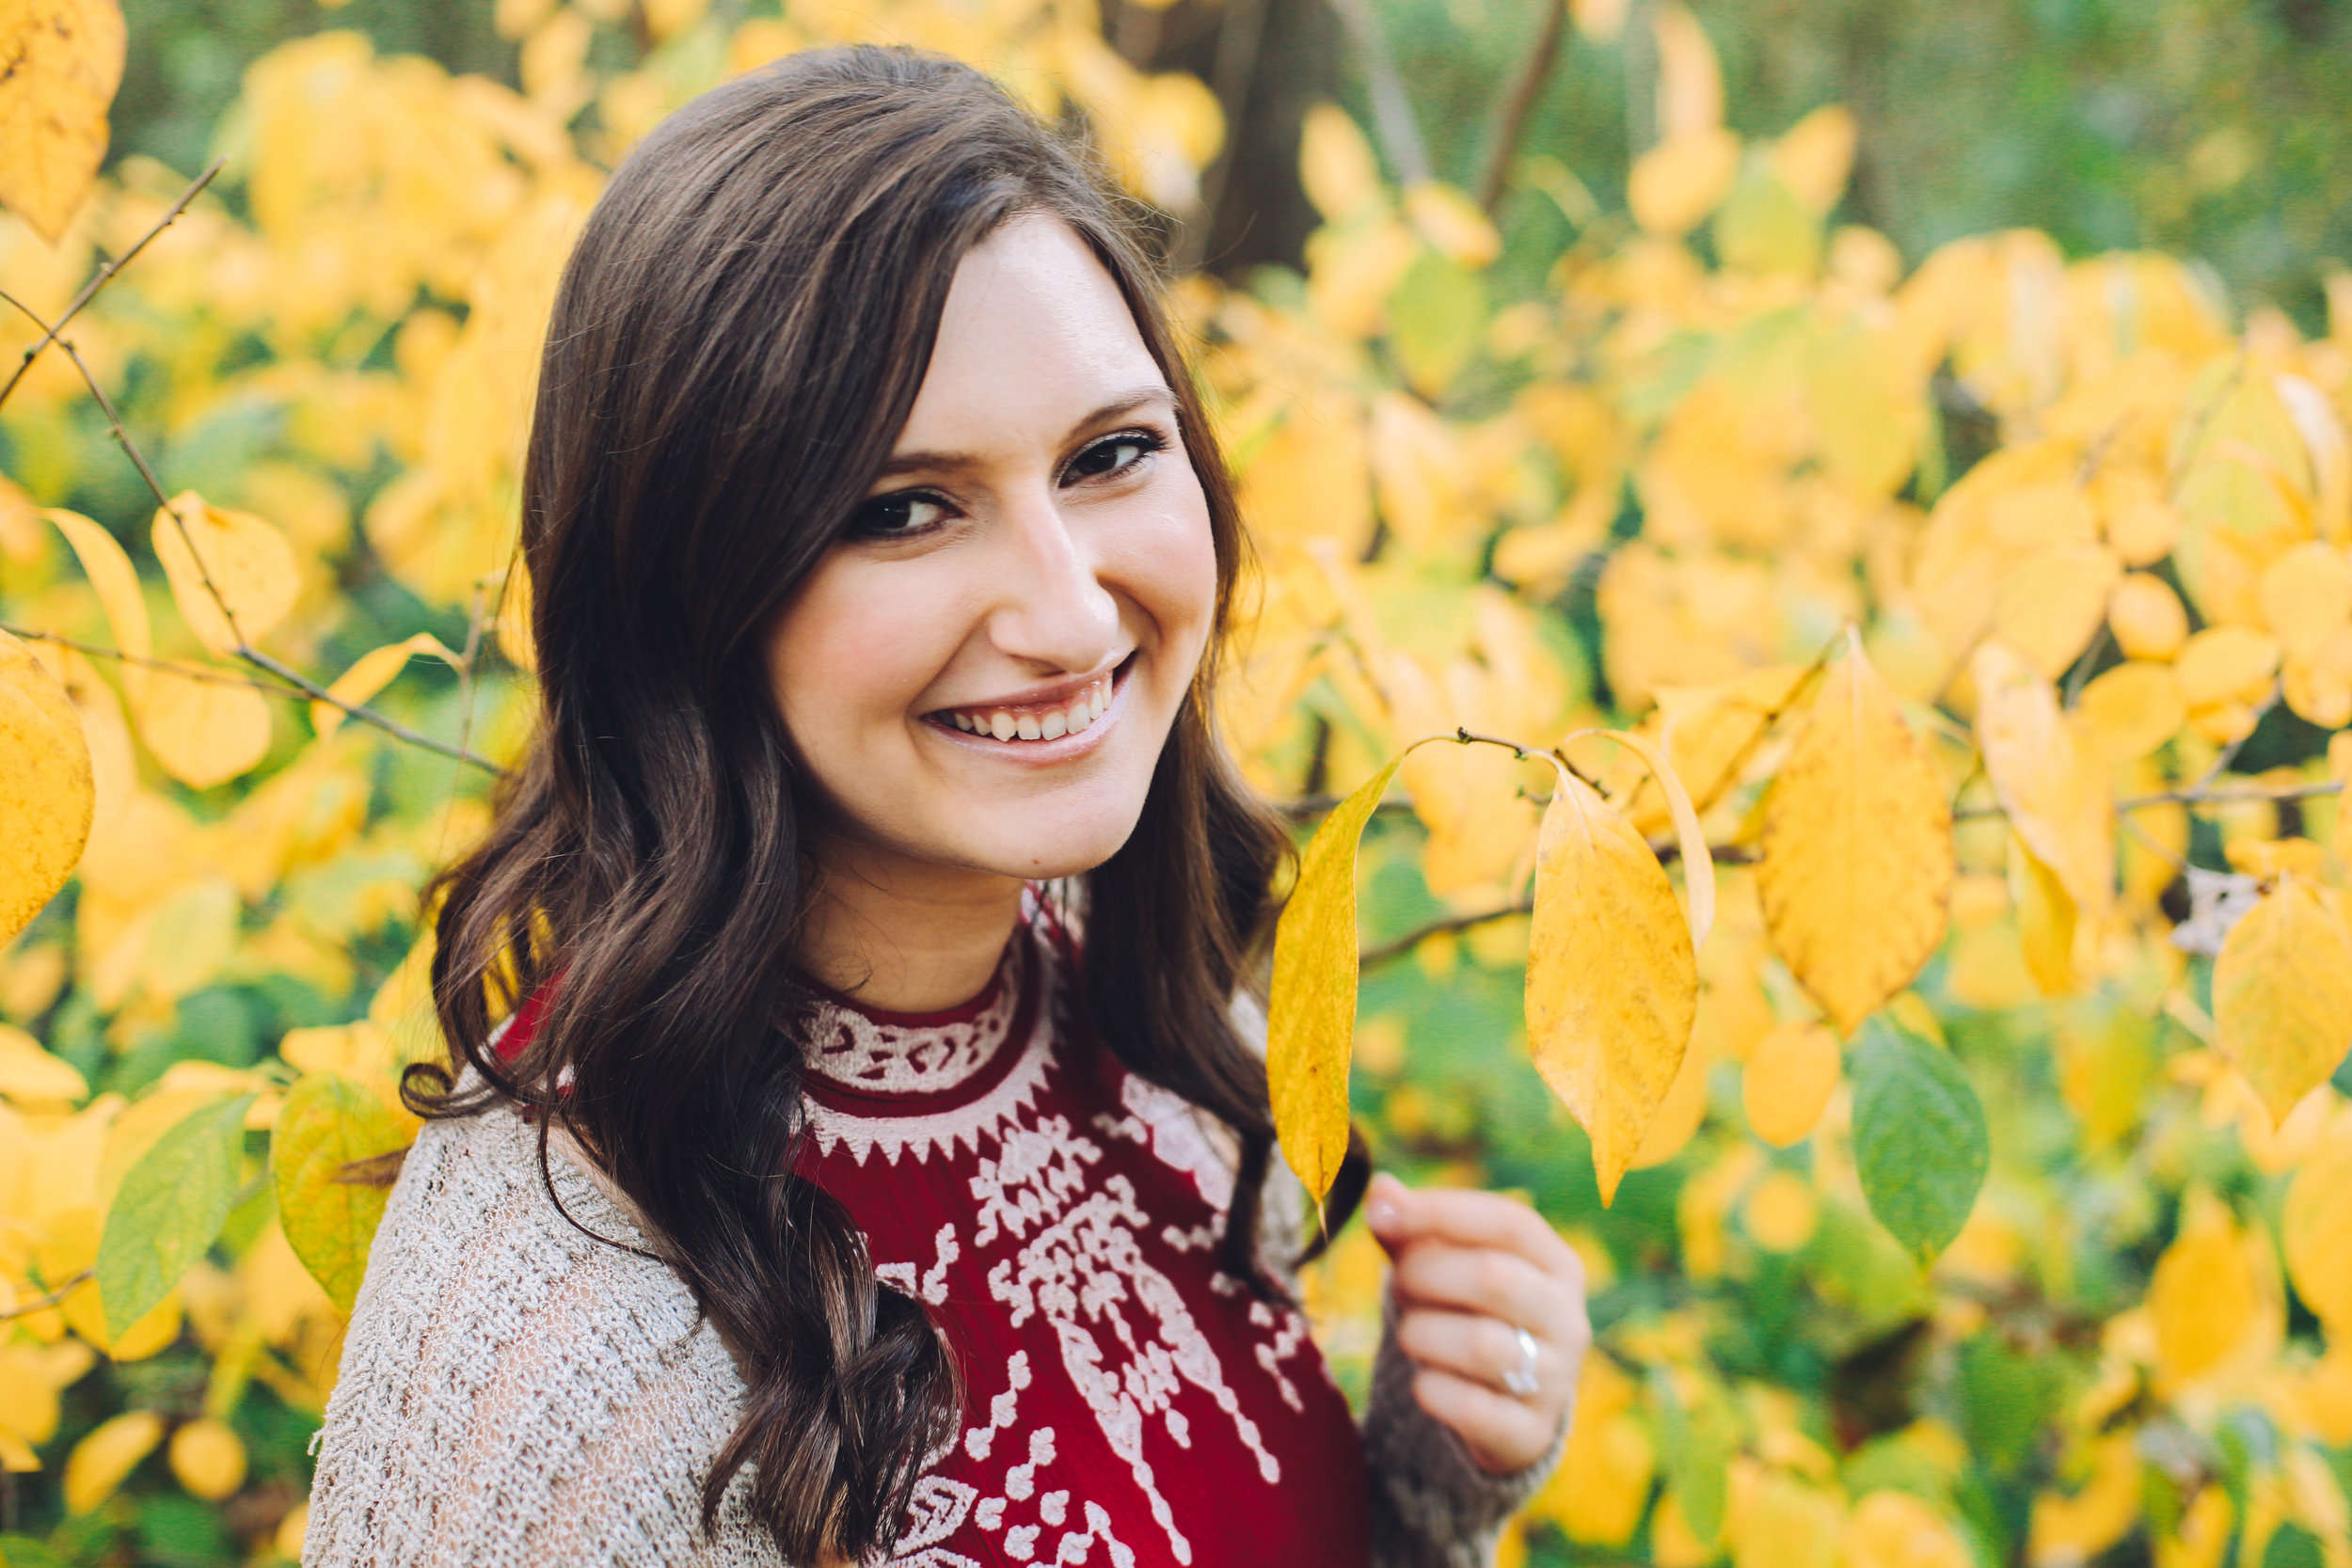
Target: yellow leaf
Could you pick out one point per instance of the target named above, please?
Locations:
(104, 1459)
(2340, 770)
(1781, 1522)
(370, 673)
(1708, 731)
(2049, 604)
(1787, 1080)
(47, 793)
(1699, 863)
(1814, 156)
(28, 1073)
(208, 1458)
(204, 727)
(1895, 1529)
(2213, 1308)
(1602, 1486)
(2224, 664)
(1857, 858)
(1612, 981)
(2069, 1531)
(2202, 1536)
(110, 578)
(1310, 1010)
(2282, 995)
(1335, 162)
(1690, 82)
(1780, 1212)
(2048, 922)
(2146, 617)
(1681, 180)
(64, 62)
(513, 619)
(2317, 1233)
(221, 559)
(1680, 1114)
(2053, 792)
(2306, 595)
(2131, 710)
(1453, 223)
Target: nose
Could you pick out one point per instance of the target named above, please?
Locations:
(1052, 608)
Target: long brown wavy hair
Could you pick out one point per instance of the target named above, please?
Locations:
(738, 339)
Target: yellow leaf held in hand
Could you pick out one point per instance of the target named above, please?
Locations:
(2282, 995)
(46, 789)
(370, 673)
(1311, 1008)
(204, 728)
(2054, 791)
(1857, 859)
(1613, 982)
(217, 558)
(62, 62)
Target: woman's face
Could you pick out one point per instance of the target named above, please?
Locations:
(983, 672)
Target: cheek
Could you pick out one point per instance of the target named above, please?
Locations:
(839, 655)
(1174, 566)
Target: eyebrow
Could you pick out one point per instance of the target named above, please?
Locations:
(933, 462)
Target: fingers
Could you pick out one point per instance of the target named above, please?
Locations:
(1486, 1351)
(1483, 1280)
(1502, 1434)
(1401, 1217)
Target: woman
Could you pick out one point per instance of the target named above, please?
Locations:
(877, 1163)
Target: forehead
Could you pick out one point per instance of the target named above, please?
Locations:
(1035, 335)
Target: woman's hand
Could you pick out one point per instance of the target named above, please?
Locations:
(1490, 1308)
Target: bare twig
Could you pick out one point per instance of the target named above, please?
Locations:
(244, 649)
(1453, 923)
(105, 274)
(1512, 121)
(2201, 795)
(1391, 109)
(42, 1303)
(189, 671)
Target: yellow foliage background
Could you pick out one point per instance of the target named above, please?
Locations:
(2091, 525)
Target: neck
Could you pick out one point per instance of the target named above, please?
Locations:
(902, 935)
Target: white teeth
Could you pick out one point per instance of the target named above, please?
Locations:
(1085, 711)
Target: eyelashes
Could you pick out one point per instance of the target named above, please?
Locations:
(909, 513)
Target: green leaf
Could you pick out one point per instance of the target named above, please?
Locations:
(329, 1221)
(1311, 1010)
(168, 1209)
(1437, 318)
(1920, 1143)
(1697, 1448)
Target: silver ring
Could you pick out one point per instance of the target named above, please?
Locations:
(1521, 1380)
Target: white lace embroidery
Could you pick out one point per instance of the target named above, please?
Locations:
(990, 1113)
(1063, 1243)
(860, 1053)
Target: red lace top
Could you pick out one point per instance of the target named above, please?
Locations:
(1128, 1403)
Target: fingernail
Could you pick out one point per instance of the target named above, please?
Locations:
(1382, 1214)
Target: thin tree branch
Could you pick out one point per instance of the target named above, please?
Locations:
(44, 1303)
(189, 671)
(105, 274)
(244, 649)
(1391, 109)
(2228, 755)
(1399, 946)
(1512, 121)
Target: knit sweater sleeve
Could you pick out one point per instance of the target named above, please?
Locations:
(516, 1392)
(1432, 1505)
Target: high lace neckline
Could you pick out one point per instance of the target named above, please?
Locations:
(926, 1058)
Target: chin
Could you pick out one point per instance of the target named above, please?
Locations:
(1039, 843)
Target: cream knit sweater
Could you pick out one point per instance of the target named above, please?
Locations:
(514, 1392)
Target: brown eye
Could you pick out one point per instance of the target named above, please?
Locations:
(1113, 454)
(908, 512)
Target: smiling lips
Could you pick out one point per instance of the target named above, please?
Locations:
(1036, 720)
